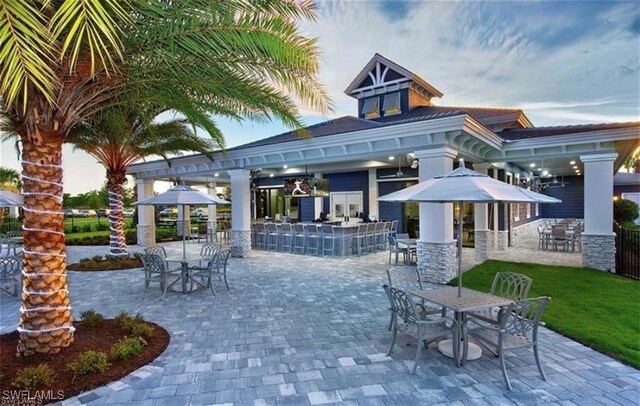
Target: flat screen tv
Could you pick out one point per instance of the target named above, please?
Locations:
(306, 187)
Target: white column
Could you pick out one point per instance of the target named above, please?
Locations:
(240, 212)
(481, 221)
(598, 239)
(212, 212)
(436, 248)
(317, 202)
(14, 212)
(373, 194)
(146, 228)
(184, 221)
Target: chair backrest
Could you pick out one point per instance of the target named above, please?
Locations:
(371, 228)
(298, 228)
(402, 305)
(405, 278)
(312, 229)
(10, 267)
(220, 260)
(558, 232)
(394, 226)
(327, 230)
(209, 250)
(511, 285)
(286, 228)
(259, 227)
(202, 229)
(156, 250)
(379, 227)
(271, 227)
(362, 229)
(152, 263)
(387, 226)
(523, 316)
(540, 230)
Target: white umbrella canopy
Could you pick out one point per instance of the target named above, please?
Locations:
(9, 199)
(182, 195)
(463, 185)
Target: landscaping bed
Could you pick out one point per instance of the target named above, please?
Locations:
(598, 309)
(99, 263)
(143, 342)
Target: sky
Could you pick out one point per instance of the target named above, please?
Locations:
(567, 62)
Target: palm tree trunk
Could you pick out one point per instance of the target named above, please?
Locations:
(118, 242)
(46, 324)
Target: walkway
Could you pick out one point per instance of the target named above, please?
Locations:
(305, 330)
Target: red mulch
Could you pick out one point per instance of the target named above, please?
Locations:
(99, 338)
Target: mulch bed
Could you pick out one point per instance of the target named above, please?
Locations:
(106, 265)
(99, 338)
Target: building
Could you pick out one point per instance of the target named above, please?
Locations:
(400, 136)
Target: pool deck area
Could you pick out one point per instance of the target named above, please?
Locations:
(300, 330)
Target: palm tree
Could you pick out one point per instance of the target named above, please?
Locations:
(9, 179)
(64, 60)
(117, 138)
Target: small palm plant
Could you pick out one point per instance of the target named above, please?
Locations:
(119, 137)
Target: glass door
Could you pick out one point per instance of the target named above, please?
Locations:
(345, 204)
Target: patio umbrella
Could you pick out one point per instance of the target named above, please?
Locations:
(9, 199)
(182, 195)
(463, 185)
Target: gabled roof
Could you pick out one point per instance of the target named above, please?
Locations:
(337, 126)
(523, 133)
(371, 65)
(486, 116)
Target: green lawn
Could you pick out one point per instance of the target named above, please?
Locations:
(598, 309)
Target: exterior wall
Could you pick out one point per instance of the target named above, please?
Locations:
(307, 209)
(572, 196)
(391, 210)
(346, 182)
(523, 234)
(620, 189)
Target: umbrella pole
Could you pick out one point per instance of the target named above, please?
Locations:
(184, 235)
(459, 249)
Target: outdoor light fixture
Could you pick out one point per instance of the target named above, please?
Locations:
(216, 174)
(391, 158)
(532, 165)
(285, 166)
(572, 163)
(545, 173)
(575, 167)
(271, 175)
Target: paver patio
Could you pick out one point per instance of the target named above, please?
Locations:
(308, 330)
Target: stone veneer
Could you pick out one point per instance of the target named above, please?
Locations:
(146, 235)
(240, 243)
(437, 261)
(599, 251)
(524, 233)
(503, 240)
(483, 244)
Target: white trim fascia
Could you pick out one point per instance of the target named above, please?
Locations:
(475, 128)
(619, 134)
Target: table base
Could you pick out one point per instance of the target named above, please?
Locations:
(446, 348)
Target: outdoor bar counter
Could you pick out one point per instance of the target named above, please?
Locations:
(344, 234)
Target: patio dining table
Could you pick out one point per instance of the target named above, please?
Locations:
(185, 270)
(409, 244)
(470, 300)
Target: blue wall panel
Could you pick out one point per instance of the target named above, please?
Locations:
(572, 196)
(307, 209)
(348, 182)
(391, 210)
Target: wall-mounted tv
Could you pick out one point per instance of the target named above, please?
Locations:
(306, 187)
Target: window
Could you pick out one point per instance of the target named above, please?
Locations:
(391, 104)
(371, 107)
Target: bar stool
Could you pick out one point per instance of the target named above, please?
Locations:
(286, 237)
(314, 242)
(328, 240)
(386, 232)
(381, 244)
(371, 237)
(260, 235)
(272, 236)
(299, 238)
(360, 239)
(394, 229)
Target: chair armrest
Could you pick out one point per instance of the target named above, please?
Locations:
(436, 321)
(485, 326)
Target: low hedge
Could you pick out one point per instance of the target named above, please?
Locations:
(131, 237)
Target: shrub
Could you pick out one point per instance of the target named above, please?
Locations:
(142, 329)
(134, 326)
(91, 318)
(102, 226)
(36, 377)
(86, 228)
(625, 211)
(126, 348)
(88, 362)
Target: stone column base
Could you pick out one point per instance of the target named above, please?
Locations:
(240, 243)
(599, 251)
(437, 261)
(146, 235)
(503, 240)
(483, 244)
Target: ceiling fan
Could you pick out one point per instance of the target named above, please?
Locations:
(410, 160)
(555, 183)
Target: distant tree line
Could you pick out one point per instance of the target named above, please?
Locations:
(95, 199)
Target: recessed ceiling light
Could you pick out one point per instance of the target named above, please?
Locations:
(532, 165)
(575, 166)
(271, 175)
(391, 158)
(285, 166)
(216, 174)
(572, 163)
(545, 173)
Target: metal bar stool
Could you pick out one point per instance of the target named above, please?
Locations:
(381, 244)
(359, 240)
(328, 240)
(272, 236)
(299, 239)
(314, 242)
(286, 237)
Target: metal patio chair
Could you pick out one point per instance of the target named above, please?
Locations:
(509, 285)
(395, 249)
(11, 274)
(407, 320)
(156, 270)
(518, 328)
(215, 266)
(559, 237)
(208, 251)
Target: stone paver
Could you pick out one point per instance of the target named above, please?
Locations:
(305, 331)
